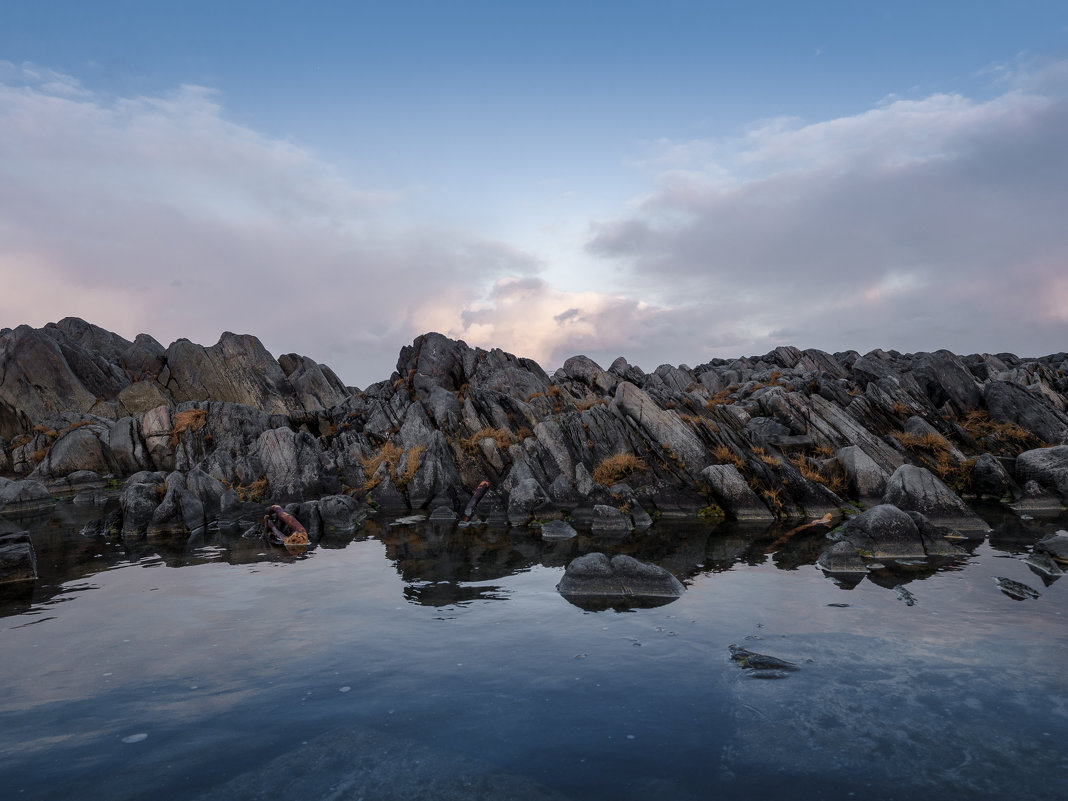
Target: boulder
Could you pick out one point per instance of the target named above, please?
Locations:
(557, 530)
(292, 465)
(123, 442)
(1046, 466)
(917, 489)
(586, 371)
(156, 427)
(78, 449)
(523, 500)
(867, 480)
(140, 496)
(1007, 402)
(609, 520)
(18, 561)
(24, 495)
(595, 580)
(842, 557)
(341, 513)
(734, 496)
(990, 479)
(884, 532)
(142, 396)
(1056, 545)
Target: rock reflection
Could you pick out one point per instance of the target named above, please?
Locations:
(441, 563)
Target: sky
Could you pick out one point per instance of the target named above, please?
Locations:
(667, 181)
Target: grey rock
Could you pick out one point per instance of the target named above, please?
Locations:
(866, 478)
(138, 501)
(663, 426)
(341, 513)
(609, 520)
(18, 560)
(913, 488)
(734, 495)
(1048, 467)
(842, 557)
(292, 464)
(78, 449)
(443, 514)
(142, 396)
(1056, 545)
(1015, 589)
(754, 661)
(526, 497)
(123, 442)
(990, 478)
(1007, 402)
(24, 495)
(557, 530)
(884, 532)
(588, 372)
(622, 577)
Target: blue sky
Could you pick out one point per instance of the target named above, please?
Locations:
(664, 181)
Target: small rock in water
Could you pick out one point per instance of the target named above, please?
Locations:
(1015, 589)
(409, 520)
(760, 662)
(344, 689)
(905, 595)
(135, 738)
(839, 606)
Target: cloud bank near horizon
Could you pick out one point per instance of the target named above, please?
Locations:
(914, 225)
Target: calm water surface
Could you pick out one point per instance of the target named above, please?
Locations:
(425, 661)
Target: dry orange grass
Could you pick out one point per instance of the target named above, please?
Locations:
(189, 420)
(724, 455)
(617, 467)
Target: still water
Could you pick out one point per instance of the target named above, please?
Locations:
(426, 661)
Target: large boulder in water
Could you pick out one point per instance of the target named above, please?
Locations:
(886, 532)
(917, 489)
(595, 581)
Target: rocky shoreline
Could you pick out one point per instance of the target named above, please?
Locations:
(188, 437)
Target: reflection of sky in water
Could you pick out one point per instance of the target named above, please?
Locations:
(457, 642)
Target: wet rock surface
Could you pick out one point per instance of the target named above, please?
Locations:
(596, 579)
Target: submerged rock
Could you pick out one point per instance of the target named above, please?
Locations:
(842, 557)
(1014, 589)
(751, 660)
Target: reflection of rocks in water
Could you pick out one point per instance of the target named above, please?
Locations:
(596, 582)
(429, 553)
(355, 763)
(449, 593)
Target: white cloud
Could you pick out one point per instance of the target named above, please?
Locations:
(158, 214)
(917, 224)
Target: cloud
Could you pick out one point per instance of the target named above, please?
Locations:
(917, 224)
(158, 214)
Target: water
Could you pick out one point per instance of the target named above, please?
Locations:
(433, 662)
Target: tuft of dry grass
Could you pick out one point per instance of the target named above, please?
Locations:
(1002, 438)
(589, 403)
(766, 458)
(411, 466)
(720, 398)
(617, 467)
(724, 455)
(502, 436)
(189, 420)
(256, 492)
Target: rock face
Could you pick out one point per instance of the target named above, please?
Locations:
(917, 489)
(596, 579)
(788, 435)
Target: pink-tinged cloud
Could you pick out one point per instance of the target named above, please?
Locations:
(914, 225)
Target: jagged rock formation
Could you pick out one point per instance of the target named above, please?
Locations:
(195, 432)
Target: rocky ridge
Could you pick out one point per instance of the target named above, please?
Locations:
(190, 436)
